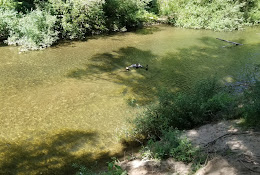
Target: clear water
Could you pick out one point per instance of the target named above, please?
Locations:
(68, 104)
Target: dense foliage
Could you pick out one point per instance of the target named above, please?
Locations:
(251, 112)
(217, 15)
(34, 31)
(8, 21)
(76, 19)
(37, 24)
(206, 102)
(173, 144)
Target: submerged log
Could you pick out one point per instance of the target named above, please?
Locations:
(229, 41)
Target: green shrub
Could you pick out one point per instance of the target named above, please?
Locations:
(206, 102)
(252, 106)
(113, 169)
(74, 19)
(34, 31)
(173, 144)
(8, 21)
(8, 4)
(218, 15)
(78, 19)
(124, 14)
(162, 149)
(253, 13)
(19, 6)
(153, 6)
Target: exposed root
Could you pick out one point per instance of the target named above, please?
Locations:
(226, 135)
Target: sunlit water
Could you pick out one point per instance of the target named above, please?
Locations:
(69, 103)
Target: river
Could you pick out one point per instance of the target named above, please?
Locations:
(71, 102)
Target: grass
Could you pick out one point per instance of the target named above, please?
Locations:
(173, 144)
(112, 169)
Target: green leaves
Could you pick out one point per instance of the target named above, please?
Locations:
(173, 144)
(8, 21)
(124, 14)
(113, 169)
(79, 18)
(34, 31)
(251, 112)
(218, 15)
(205, 102)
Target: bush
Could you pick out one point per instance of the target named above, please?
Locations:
(78, 19)
(218, 15)
(113, 169)
(252, 106)
(74, 19)
(173, 144)
(205, 103)
(19, 6)
(253, 13)
(8, 4)
(8, 21)
(125, 14)
(34, 31)
(153, 6)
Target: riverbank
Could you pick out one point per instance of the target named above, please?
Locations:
(229, 149)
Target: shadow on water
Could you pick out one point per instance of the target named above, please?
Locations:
(174, 70)
(53, 155)
(63, 43)
(2, 44)
(148, 30)
(143, 31)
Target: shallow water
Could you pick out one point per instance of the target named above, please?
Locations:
(68, 104)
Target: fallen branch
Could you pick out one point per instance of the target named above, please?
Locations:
(229, 41)
(228, 134)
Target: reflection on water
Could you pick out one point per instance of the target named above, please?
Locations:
(67, 103)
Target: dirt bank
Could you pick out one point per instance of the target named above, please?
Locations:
(230, 150)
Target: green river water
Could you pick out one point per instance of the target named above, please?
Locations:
(69, 103)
